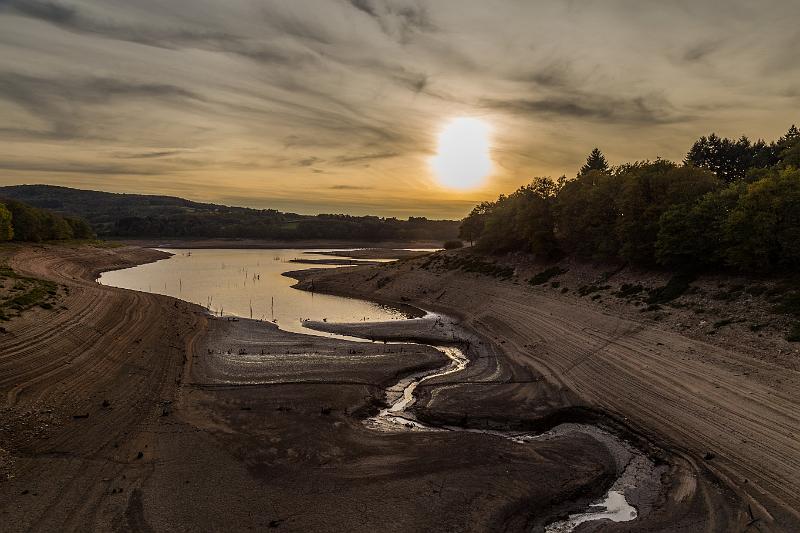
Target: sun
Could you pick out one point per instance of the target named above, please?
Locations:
(463, 159)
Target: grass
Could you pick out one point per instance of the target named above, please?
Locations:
(627, 290)
(24, 293)
(546, 275)
(469, 263)
(585, 290)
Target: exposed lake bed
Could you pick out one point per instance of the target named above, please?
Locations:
(269, 425)
(256, 362)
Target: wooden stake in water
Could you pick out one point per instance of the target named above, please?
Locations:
(251, 309)
(273, 308)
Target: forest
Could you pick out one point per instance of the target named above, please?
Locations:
(731, 204)
(21, 222)
(147, 216)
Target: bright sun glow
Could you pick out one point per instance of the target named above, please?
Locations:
(463, 159)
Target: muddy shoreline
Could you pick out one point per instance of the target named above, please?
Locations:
(715, 497)
(149, 415)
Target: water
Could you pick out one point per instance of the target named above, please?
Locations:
(247, 283)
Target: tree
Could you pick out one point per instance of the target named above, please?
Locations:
(524, 220)
(726, 158)
(472, 226)
(6, 229)
(692, 237)
(647, 191)
(764, 226)
(586, 215)
(595, 161)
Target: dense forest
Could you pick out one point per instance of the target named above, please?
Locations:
(21, 222)
(731, 204)
(145, 216)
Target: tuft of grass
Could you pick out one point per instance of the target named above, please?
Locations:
(25, 294)
(546, 275)
(586, 290)
(627, 290)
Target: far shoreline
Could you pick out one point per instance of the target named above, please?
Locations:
(263, 244)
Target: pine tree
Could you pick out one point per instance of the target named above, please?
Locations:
(595, 161)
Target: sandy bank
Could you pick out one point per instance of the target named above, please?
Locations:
(728, 420)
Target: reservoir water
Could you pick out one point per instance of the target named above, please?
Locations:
(248, 283)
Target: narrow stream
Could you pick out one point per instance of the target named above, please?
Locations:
(613, 507)
(233, 279)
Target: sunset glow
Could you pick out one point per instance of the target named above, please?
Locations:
(463, 159)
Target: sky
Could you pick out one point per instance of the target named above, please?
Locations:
(320, 106)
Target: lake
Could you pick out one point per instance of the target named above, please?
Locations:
(249, 284)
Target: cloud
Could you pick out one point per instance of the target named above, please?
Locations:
(56, 101)
(400, 20)
(149, 155)
(364, 158)
(639, 110)
(77, 168)
(349, 188)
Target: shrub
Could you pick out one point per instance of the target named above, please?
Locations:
(453, 245)
(546, 275)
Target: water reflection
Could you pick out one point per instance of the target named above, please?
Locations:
(247, 283)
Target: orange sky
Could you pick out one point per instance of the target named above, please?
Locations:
(335, 106)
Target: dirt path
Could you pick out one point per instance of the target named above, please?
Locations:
(724, 412)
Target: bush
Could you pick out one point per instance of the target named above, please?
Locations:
(546, 275)
(453, 245)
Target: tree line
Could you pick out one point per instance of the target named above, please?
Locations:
(147, 216)
(730, 204)
(21, 222)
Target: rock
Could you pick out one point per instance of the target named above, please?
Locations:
(708, 456)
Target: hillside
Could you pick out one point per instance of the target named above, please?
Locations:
(146, 216)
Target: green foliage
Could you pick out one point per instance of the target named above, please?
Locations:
(546, 275)
(6, 228)
(694, 236)
(764, 226)
(26, 223)
(595, 162)
(25, 293)
(468, 263)
(733, 204)
(627, 290)
(648, 191)
(144, 216)
(585, 290)
(587, 215)
(524, 220)
(472, 226)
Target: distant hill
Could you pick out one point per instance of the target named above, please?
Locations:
(146, 216)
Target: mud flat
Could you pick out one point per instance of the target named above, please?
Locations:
(132, 411)
(722, 423)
